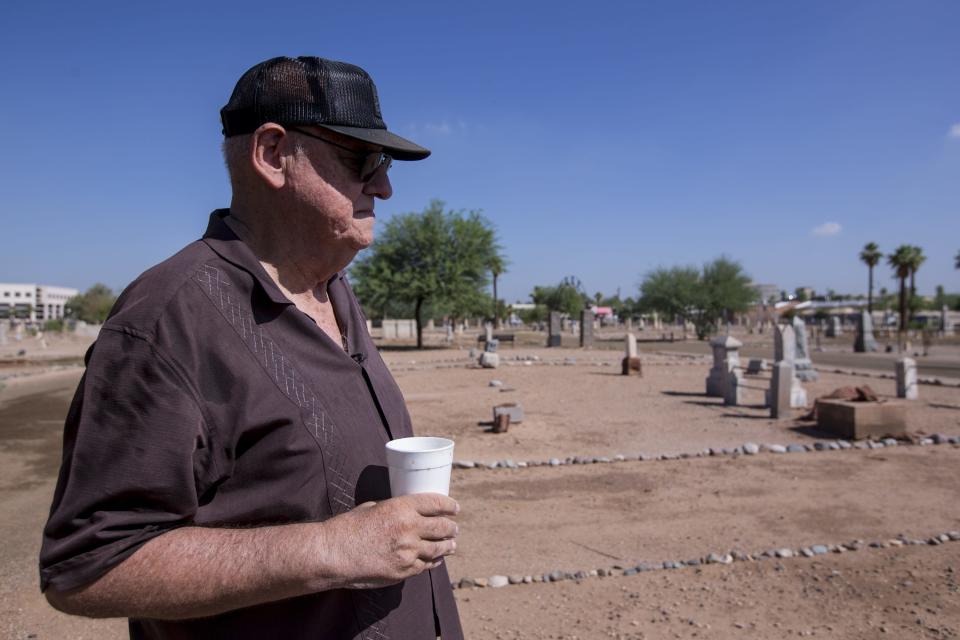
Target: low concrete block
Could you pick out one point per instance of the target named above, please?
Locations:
(857, 420)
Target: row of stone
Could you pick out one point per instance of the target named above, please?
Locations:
(711, 558)
(938, 382)
(748, 448)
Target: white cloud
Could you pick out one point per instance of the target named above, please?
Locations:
(954, 132)
(438, 128)
(827, 229)
(441, 128)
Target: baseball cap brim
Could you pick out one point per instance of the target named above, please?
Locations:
(398, 148)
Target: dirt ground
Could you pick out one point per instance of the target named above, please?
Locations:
(588, 517)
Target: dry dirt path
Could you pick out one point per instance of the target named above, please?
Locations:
(902, 594)
(582, 517)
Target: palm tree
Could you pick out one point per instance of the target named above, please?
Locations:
(916, 260)
(497, 265)
(870, 256)
(900, 261)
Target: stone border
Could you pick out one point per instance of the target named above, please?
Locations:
(748, 449)
(937, 382)
(726, 558)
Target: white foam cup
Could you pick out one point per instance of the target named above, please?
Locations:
(419, 465)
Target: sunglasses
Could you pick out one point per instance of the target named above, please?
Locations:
(372, 161)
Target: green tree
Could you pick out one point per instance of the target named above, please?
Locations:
(497, 266)
(567, 297)
(435, 256)
(916, 260)
(93, 305)
(870, 256)
(718, 291)
(940, 299)
(900, 261)
(801, 294)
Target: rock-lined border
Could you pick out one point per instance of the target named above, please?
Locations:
(725, 558)
(747, 449)
(937, 382)
(531, 360)
(676, 360)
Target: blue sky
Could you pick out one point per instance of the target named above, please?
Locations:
(601, 139)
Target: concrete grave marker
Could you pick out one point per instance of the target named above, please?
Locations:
(726, 357)
(733, 393)
(489, 360)
(785, 350)
(802, 365)
(756, 365)
(586, 328)
(778, 397)
(834, 327)
(631, 344)
(907, 379)
(553, 339)
(865, 341)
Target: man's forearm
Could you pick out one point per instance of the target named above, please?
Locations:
(196, 572)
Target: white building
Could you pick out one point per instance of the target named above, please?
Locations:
(34, 302)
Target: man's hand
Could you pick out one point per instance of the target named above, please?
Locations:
(382, 543)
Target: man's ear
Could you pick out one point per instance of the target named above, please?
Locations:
(267, 146)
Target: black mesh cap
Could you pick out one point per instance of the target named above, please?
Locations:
(313, 91)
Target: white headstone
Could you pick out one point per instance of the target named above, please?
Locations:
(631, 345)
(907, 379)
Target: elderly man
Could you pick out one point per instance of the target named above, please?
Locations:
(223, 472)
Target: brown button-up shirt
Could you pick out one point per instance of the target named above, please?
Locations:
(209, 399)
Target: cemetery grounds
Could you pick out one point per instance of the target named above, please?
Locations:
(621, 506)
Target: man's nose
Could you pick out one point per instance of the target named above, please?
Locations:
(379, 186)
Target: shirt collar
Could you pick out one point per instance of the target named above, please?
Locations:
(228, 246)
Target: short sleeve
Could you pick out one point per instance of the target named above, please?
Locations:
(136, 455)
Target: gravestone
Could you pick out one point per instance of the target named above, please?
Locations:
(834, 327)
(781, 385)
(907, 378)
(489, 360)
(431, 325)
(756, 365)
(398, 329)
(449, 336)
(3, 333)
(945, 327)
(726, 356)
(553, 338)
(631, 345)
(733, 392)
(865, 341)
(490, 346)
(785, 350)
(802, 365)
(586, 328)
(369, 327)
(488, 331)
